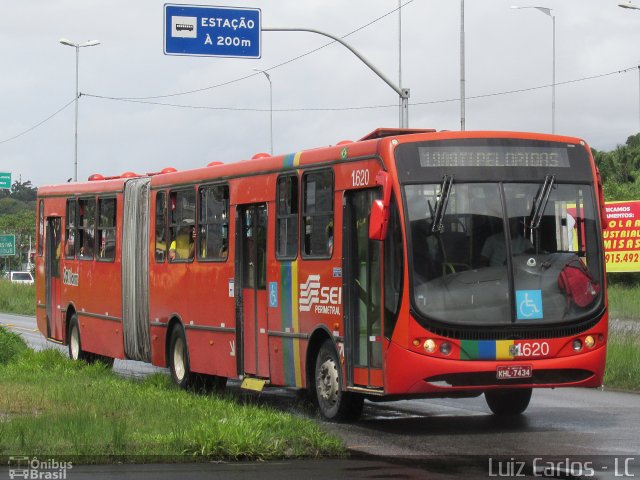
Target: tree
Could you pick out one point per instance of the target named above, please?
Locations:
(18, 217)
(24, 191)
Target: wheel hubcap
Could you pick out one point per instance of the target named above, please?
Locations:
(327, 382)
(178, 359)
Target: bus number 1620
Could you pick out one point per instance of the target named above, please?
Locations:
(360, 178)
(529, 349)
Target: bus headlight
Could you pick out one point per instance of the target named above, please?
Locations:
(429, 346)
(445, 348)
(589, 341)
(577, 345)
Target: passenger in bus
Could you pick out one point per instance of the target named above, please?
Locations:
(329, 231)
(183, 246)
(494, 250)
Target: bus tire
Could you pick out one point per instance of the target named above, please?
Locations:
(508, 402)
(333, 402)
(179, 359)
(75, 345)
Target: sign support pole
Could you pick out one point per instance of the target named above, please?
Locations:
(402, 92)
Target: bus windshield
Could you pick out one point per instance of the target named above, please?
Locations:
(501, 253)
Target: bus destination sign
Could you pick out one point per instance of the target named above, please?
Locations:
(481, 156)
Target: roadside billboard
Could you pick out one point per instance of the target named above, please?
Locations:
(622, 236)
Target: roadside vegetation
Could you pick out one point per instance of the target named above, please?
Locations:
(17, 298)
(623, 360)
(52, 406)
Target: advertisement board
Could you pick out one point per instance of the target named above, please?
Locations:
(621, 238)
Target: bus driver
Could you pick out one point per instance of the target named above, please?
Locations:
(494, 250)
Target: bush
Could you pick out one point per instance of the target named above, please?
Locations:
(11, 345)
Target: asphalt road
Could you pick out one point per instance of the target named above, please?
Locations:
(595, 433)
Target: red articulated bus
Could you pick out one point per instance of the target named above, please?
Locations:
(409, 264)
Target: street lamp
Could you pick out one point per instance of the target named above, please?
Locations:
(270, 106)
(77, 46)
(628, 4)
(547, 11)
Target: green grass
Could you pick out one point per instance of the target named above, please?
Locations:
(17, 298)
(623, 361)
(624, 301)
(11, 345)
(51, 406)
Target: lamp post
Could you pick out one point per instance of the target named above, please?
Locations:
(77, 46)
(547, 12)
(270, 107)
(462, 79)
(631, 6)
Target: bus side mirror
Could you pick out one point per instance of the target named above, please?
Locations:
(379, 217)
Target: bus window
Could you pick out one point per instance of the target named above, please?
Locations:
(70, 229)
(106, 229)
(287, 218)
(86, 226)
(161, 226)
(182, 227)
(214, 223)
(317, 214)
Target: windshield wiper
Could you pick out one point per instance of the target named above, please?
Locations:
(442, 202)
(540, 201)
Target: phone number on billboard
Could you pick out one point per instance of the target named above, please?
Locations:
(622, 257)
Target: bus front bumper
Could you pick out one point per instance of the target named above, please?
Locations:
(412, 373)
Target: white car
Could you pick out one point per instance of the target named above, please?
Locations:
(21, 277)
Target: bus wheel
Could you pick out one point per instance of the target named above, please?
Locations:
(75, 346)
(334, 403)
(508, 402)
(179, 359)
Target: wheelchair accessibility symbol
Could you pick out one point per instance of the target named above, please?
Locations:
(529, 304)
(273, 294)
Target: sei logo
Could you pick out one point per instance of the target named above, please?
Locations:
(323, 300)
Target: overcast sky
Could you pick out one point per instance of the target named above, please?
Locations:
(506, 50)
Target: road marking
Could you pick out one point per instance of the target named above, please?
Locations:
(11, 325)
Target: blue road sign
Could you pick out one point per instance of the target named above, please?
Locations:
(212, 31)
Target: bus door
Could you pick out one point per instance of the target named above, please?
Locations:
(53, 283)
(252, 302)
(363, 292)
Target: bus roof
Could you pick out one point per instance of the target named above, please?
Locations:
(368, 146)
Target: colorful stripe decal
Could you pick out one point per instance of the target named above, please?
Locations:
(486, 349)
(292, 160)
(290, 324)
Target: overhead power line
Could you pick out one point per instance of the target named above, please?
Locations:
(311, 109)
(38, 124)
(365, 107)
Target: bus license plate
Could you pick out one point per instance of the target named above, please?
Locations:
(513, 371)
